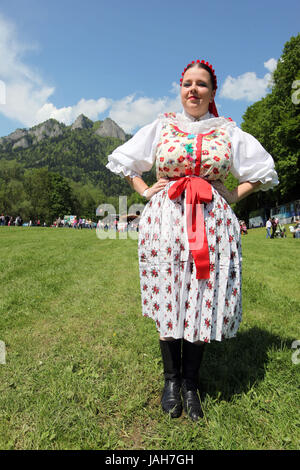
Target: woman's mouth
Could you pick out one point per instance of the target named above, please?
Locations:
(193, 98)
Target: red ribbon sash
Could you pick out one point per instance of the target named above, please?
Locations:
(198, 191)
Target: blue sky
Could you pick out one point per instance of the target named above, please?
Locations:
(124, 59)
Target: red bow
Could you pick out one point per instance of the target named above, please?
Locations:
(198, 191)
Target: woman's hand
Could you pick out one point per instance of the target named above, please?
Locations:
(237, 194)
(161, 183)
(229, 196)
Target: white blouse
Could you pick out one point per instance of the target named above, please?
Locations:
(250, 161)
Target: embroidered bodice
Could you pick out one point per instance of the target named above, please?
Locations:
(180, 153)
(209, 147)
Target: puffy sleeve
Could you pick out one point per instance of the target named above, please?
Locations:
(137, 155)
(251, 162)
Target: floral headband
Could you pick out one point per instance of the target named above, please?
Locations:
(212, 106)
(204, 63)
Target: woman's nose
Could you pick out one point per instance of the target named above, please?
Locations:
(193, 86)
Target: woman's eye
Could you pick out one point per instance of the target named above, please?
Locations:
(188, 84)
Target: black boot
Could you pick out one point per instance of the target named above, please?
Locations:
(171, 355)
(191, 360)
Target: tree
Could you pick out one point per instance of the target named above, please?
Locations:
(275, 122)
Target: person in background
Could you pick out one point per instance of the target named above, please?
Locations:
(268, 227)
(274, 226)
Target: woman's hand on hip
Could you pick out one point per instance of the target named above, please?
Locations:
(229, 196)
(237, 194)
(158, 186)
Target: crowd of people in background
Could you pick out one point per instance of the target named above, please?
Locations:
(9, 220)
(35, 222)
(75, 223)
(275, 229)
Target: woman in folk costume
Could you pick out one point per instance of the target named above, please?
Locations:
(189, 237)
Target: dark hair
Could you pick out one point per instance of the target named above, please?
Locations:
(200, 65)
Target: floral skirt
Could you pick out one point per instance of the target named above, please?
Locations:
(181, 305)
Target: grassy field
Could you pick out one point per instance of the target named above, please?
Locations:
(83, 367)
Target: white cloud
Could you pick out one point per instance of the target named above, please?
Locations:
(67, 115)
(248, 86)
(271, 65)
(28, 97)
(132, 112)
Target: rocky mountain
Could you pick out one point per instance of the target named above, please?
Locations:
(110, 129)
(78, 152)
(82, 122)
(25, 138)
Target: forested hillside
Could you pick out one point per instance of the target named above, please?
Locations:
(51, 170)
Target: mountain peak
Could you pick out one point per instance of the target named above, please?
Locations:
(82, 122)
(110, 128)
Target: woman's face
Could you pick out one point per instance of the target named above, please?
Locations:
(196, 92)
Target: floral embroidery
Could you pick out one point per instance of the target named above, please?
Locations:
(181, 305)
(215, 149)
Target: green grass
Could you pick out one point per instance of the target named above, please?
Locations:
(83, 367)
